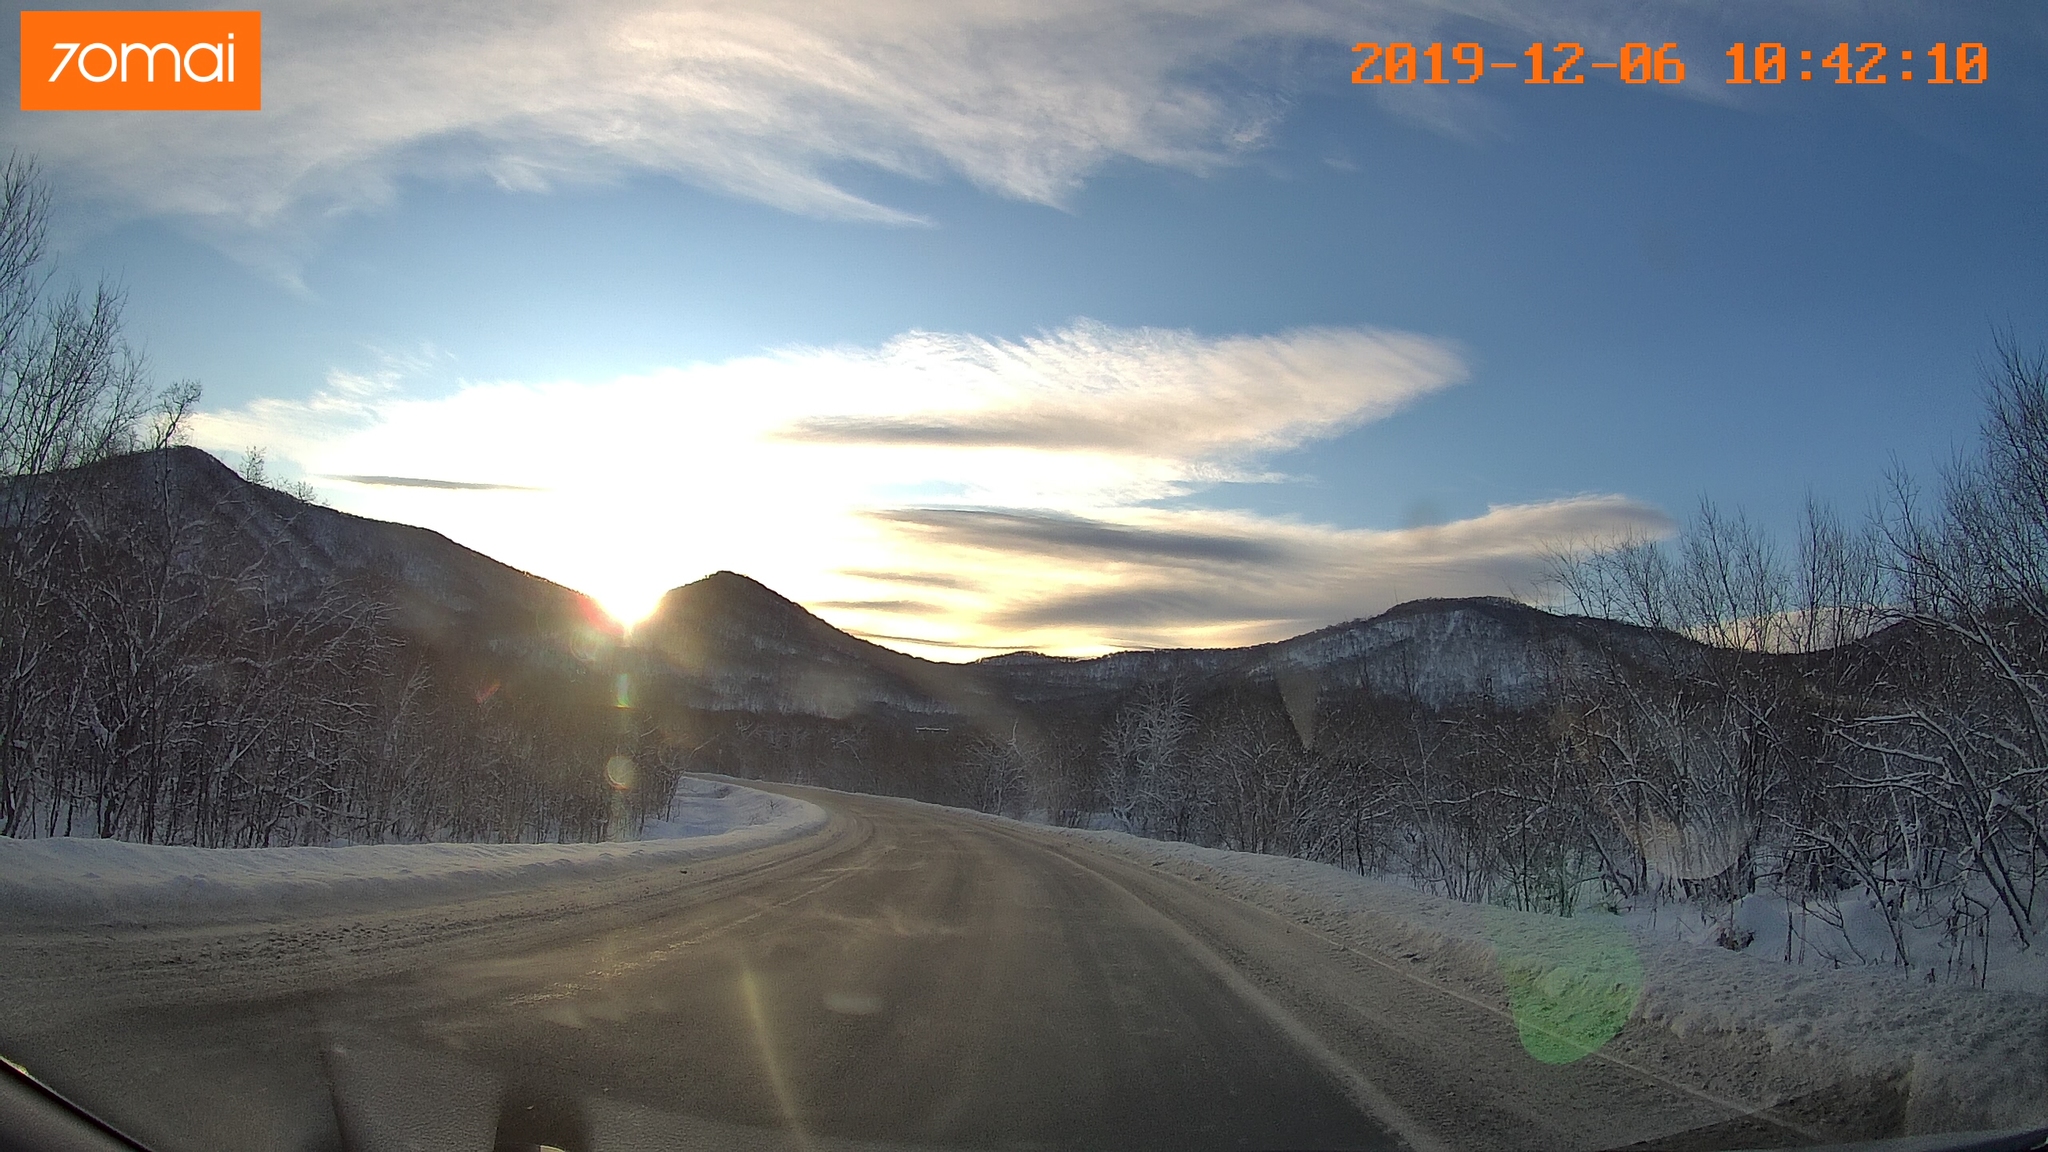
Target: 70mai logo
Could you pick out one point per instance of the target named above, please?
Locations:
(141, 61)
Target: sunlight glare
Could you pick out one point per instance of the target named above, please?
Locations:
(629, 606)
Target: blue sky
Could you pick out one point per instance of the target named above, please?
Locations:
(1070, 326)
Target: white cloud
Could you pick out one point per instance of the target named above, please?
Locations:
(1150, 393)
(1020, 522)
(759, 98)
(769, 100)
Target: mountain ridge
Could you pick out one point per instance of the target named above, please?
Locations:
(1477, 648)
(729, 642)
(210, 517)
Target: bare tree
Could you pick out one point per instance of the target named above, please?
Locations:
(72, 390)
(1962, 748)
(998, 767)
(1146, 777)
(1631, 580)
(1841, 587)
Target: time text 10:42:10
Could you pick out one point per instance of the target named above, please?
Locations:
(1643, 63)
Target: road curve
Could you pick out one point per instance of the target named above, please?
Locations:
(908, 976)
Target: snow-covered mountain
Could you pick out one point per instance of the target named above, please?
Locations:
(1438, 652)
(728, 643)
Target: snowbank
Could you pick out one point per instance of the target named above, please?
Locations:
(73, 877)
(1961, 1058)
(714, 806)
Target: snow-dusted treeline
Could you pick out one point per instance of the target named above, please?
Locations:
(1900, 752)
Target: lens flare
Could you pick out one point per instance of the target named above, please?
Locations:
(757, 1015)
(1572, 983)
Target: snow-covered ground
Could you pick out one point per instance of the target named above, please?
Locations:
(78, 876)
(713, 807)
(1963, 1058)
(1852, 932)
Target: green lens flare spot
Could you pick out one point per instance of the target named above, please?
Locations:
(1572, 983)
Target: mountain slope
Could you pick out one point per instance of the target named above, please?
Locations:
(184, 502)
(191, 658)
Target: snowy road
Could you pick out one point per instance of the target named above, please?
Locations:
(904, 975)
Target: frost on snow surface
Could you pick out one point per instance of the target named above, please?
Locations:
(78, 876)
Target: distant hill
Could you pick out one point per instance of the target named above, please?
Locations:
(1438, 652)
(730, 643)
(734, 644)
(443, 594)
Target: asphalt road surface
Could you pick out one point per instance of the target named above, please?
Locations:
(906, 977)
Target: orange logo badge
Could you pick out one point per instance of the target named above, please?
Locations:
(141, 61)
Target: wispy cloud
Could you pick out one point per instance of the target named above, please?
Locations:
(1150, 392)
(927, 645)
(768, 100)
(1076, 537)
(1062, 536)
(762, 99)
(910, 579)
(893, 607)
(423, 482)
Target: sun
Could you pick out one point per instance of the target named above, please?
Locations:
(629, 608)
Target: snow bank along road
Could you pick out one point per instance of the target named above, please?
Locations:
(893, 974)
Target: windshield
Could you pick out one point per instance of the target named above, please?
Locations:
(1154, 574)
